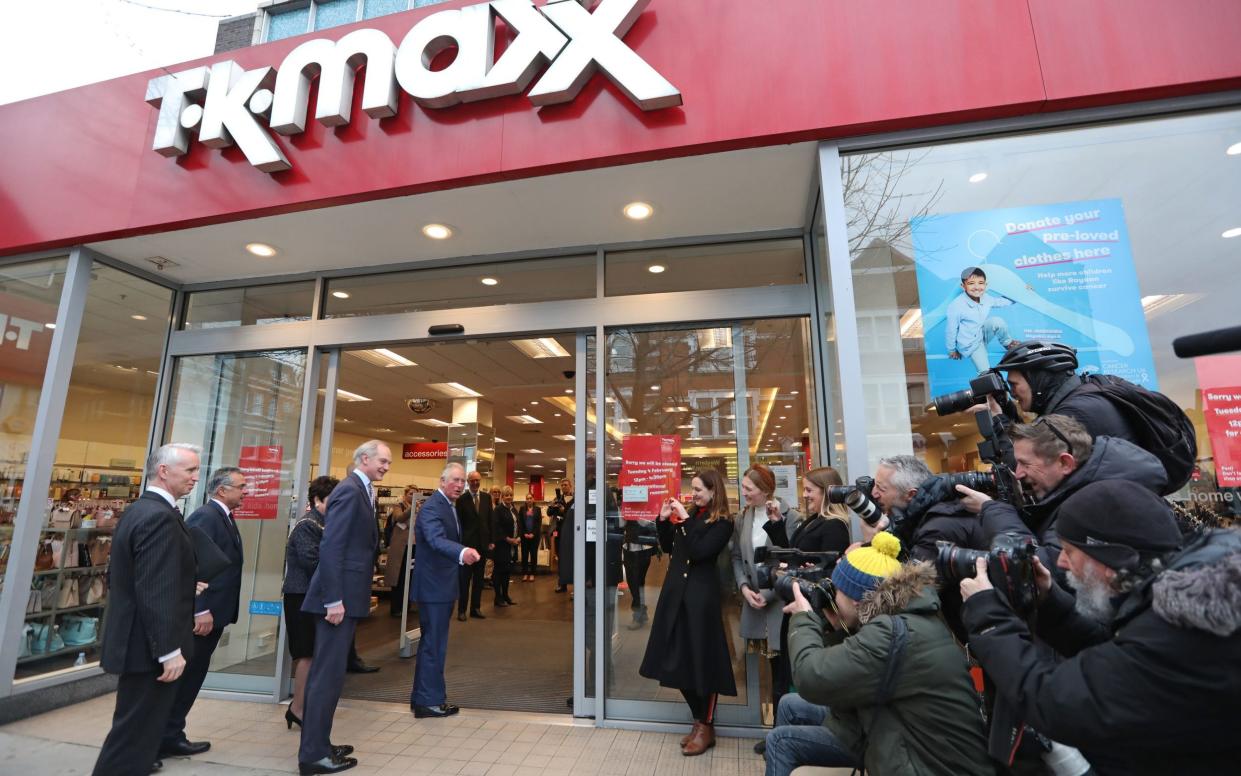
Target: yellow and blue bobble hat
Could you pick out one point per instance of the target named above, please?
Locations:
(862, 570)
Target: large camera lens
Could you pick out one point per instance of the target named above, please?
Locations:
(838, 494)
(955, 563)
(952, 403)
(984, 482)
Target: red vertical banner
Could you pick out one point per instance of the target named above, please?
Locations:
(536, 487)
(650, 472)
(261, 465)
(1221, 408)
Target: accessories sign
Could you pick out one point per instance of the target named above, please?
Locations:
(567, 43)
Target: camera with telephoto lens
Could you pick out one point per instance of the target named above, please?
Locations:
(780, 569)
(1010, 567)
(857, 497)
(989, 383)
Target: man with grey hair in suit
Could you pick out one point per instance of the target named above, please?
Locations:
(340, 593)
(150, 612)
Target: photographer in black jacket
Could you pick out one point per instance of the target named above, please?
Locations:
(1042, 377)
(1148, 677)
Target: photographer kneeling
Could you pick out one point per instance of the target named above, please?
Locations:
(895, 685)
(1149, 678)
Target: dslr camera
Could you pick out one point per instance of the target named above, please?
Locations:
(857, 497)
(989, 383)
(780, 569)
(1010, 567)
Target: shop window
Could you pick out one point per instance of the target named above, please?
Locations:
(333, 13)
(286, 24)
(705, 267)
(97, 471)
(29, 297)
(373, 8)
(1078, 244)
(449, 288)
(250, 306)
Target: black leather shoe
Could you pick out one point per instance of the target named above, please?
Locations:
(510, 602)
(183, 748)
(477, 614)
(343, 750)
(327, 765)
(761, 747)
(443, 710)
(156, 766)
(460, 616)
(361, 668)
(500, 604)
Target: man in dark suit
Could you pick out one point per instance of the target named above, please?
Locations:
(215, 608)
(474, 509)
(340, 591)
(437, 532)
(150, 612)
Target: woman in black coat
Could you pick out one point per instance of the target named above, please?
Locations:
(505, 536)
(687, 648)
(529, 525)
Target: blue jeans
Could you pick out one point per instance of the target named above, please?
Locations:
(799, 738)
(994, 329)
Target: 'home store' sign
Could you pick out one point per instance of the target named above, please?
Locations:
(562, 40)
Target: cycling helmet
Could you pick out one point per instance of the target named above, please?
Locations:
(1033, 354)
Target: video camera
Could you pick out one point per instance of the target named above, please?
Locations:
(1010, 567)
(780, 569)
(857, 497)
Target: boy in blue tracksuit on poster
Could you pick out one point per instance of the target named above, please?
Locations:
(971, 327)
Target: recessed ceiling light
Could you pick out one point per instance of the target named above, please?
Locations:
(138, 317)
(382, 357)
(793, 393)
(437, 423)
(534, 403)
(344, 395)
(978, 177)
(525, 420)
(50, 325)
(687, 425)
(782, 417)
(555, 414)
(455, 390)
(1234, 149)
(536, 466)
(1233, 232)
(124, 368)
(788, 406)
(532, 451)
(541, 347)
(560, 459)
(341, 294)
(639, 211)
(261, 249)
(776, 426)
(384, 430)
(489, 282)
(655, 269)
(568, 391)
(437, 231)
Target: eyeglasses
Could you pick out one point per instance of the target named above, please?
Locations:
(1052, 427)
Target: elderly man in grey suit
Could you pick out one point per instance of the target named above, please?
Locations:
(340, 591)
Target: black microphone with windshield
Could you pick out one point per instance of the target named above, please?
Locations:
(1208, 343)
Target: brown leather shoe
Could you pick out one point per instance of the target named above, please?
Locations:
(685, 738)
(702, 739)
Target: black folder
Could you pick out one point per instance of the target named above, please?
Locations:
(210, 559)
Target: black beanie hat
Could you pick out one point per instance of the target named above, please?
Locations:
(1116, 522)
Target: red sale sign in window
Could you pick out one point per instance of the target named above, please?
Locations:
(1221, 407)
(650, 472)
(261, 465)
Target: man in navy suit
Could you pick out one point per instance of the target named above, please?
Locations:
(215, 608)
(435, 585)
(340, 591)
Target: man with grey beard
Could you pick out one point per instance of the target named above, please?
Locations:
(1147, 675)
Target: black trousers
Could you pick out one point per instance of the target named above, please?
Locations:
(397, 602)
(323, 687)
(637, 563)
(500, 576)
(142, 706)
(701, 706)
(529, 555)
(471, 586)
(190, 683)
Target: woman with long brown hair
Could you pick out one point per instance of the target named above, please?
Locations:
(688, 649)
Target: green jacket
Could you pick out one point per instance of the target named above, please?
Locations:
(932, 723)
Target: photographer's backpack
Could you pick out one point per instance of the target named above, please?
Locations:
(1162, 428)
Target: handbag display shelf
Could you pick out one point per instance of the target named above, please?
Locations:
(71, 595)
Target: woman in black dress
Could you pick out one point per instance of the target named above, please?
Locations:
(687, 648)
(505, 537)
(301, 558)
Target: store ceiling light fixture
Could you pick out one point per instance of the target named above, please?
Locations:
(489, 282)
(49, 325)
(541, 347)
(1234, 149)
(525, 420)
(978, 177)
(1158, 304)
(343, 395)
(262, 250)
(455, 390)
(532, 451)
(341, 294)
(639, 211)
(501, 441)
(382, 357)
(437, 231)
(566, 437)
(437, 423)
(1230, 233)
(655, 269)
(138, 317)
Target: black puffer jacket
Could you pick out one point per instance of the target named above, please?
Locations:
(1110, 459)
(948, 521)
(1153, 693)
(1084, 403)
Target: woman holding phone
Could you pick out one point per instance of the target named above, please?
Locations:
(761, 610)
(688, 649)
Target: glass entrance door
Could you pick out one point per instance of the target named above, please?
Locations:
(244, 410)
(688, 399)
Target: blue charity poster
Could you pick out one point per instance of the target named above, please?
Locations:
(1061, 272)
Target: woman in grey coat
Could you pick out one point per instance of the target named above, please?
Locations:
(761, 610)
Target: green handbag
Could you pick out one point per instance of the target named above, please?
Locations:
(78, 630)
(46, 639)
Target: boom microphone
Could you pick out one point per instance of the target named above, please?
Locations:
(1208, 343)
